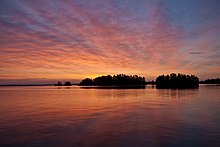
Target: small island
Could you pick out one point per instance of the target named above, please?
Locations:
(177, 81)
(115, 80)
(68, 83)
(211, 81)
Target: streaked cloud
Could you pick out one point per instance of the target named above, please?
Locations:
(195, 53)
(77, 39)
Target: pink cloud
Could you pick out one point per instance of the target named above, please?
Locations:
(76, 41)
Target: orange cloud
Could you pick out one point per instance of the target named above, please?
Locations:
(75, 40)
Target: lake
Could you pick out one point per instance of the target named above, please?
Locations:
(74, 116)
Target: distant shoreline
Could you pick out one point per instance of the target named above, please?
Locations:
(87, 86)
(33, 85)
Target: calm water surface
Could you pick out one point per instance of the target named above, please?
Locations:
(73, 116)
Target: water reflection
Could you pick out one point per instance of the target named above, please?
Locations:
(177, 93)
(72, 116)
(115, 87)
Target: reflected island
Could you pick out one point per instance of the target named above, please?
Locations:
(177, 81)
(120, 80)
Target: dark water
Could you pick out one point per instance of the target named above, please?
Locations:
(52, 116)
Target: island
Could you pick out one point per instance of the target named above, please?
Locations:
(115, 80)
(68, 83)
(211, 81)
(171, 81)
(177, 81)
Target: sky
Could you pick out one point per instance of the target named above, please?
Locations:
(45, 41)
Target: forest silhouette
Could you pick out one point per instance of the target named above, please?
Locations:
(120, 79)
(177, 81)
(211, 81)
(172, 81)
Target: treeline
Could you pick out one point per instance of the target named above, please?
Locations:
(120, 79)
(210, 81)
(177, 81)
(68, 83)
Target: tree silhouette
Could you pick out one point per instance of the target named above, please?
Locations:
(59, 83)
(177, 81)
(120, 79)
(86, 82)
(211, 81)
(68, 83)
